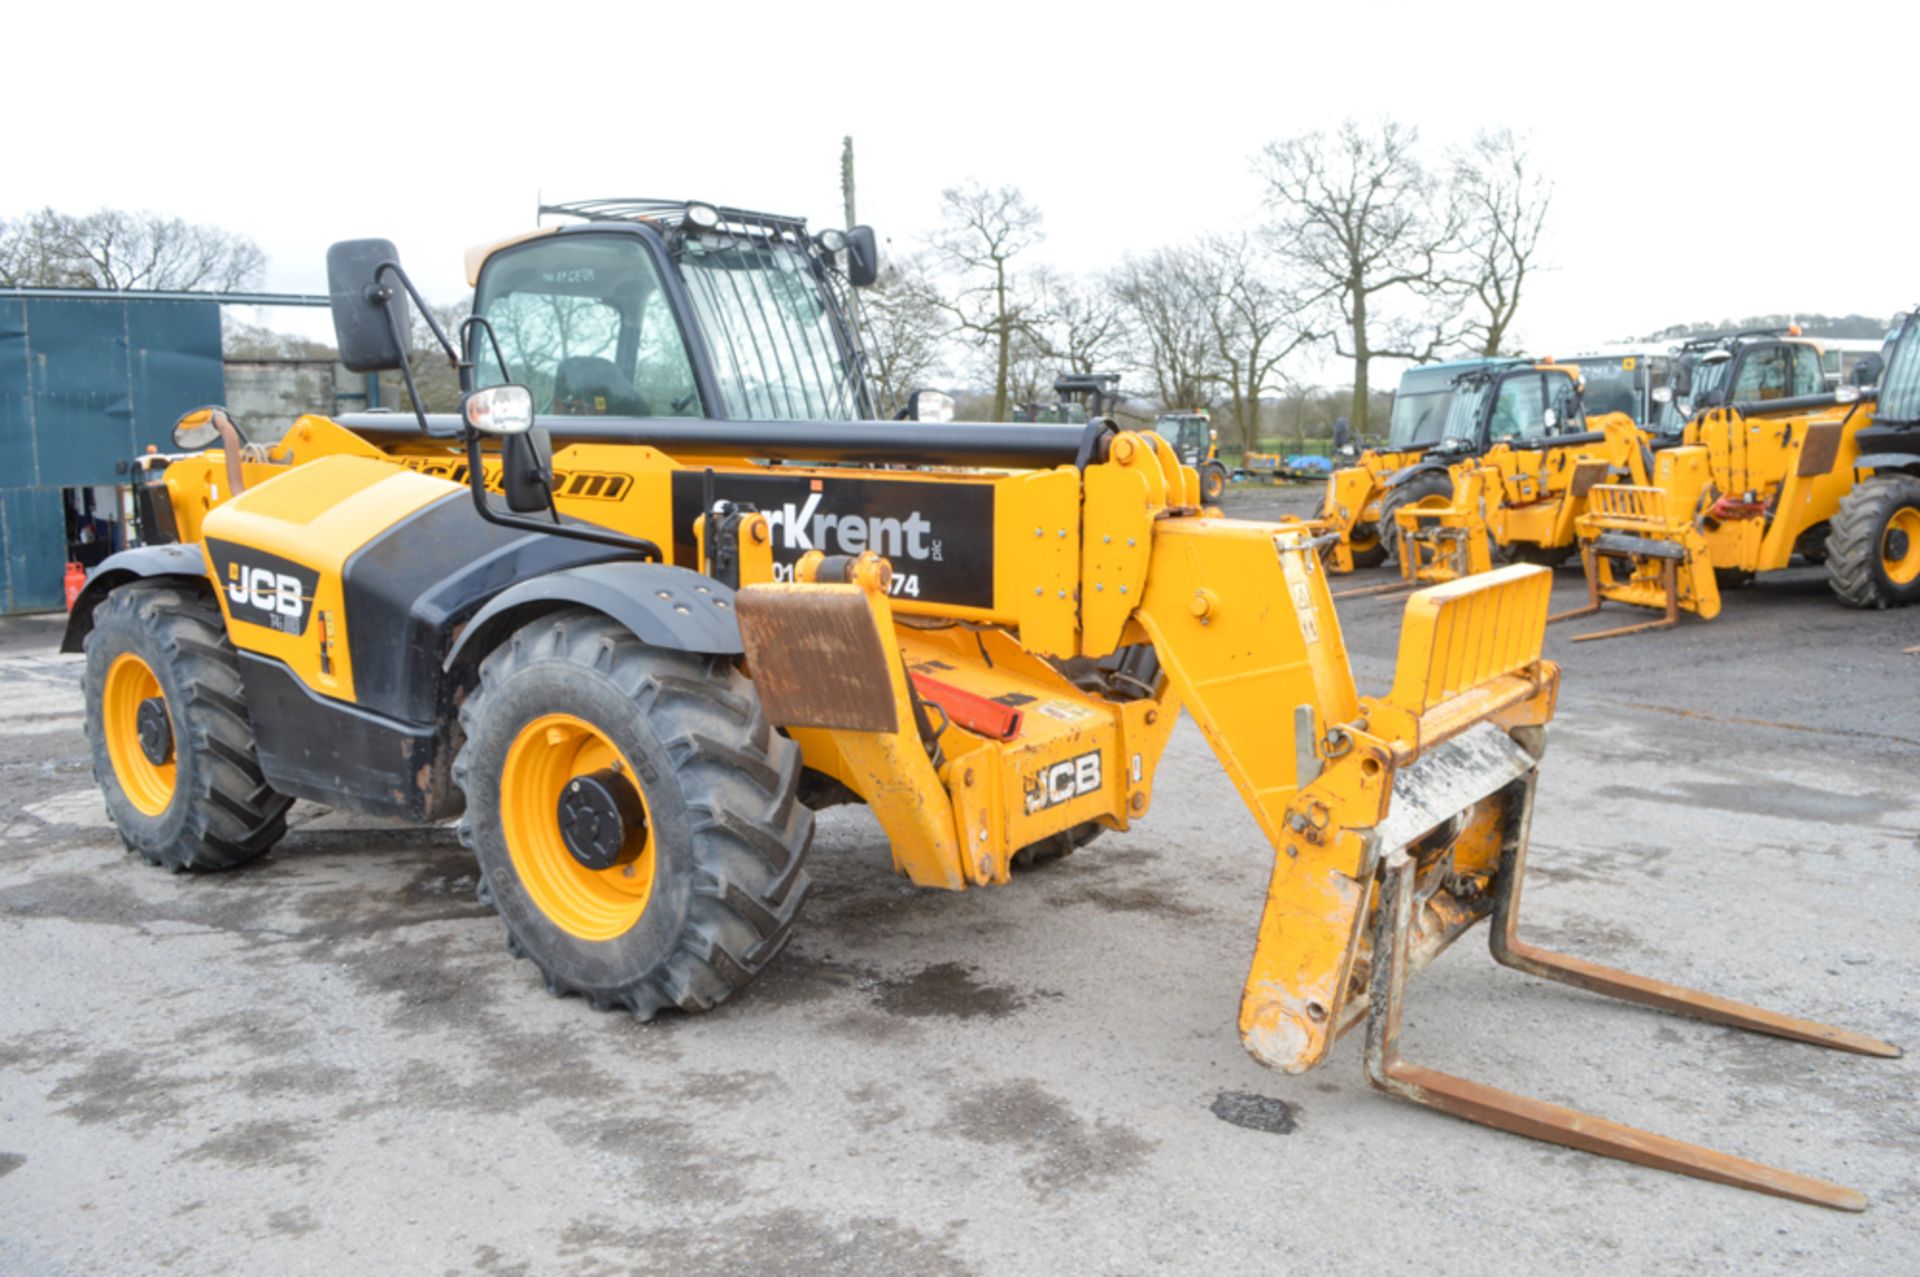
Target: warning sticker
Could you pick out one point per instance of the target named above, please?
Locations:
(1066, 711)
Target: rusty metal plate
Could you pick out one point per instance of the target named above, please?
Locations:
(1821, 447)
(1585, 475)
(815, 657)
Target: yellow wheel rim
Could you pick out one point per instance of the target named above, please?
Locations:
(130, 684)
(593, 904)
(1900, 546)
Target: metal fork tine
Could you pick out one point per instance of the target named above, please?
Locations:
(1511, 951)
(1533, 1118)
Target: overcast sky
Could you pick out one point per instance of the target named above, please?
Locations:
(1708, 160)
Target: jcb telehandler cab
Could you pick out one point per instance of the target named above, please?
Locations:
(657, 590)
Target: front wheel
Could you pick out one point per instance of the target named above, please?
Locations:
(634, 815)
(1873, 551)
(1428, 483)
(168, 728)
(1213, 482)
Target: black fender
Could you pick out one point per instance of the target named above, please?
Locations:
(173, 559)
(1402, 477)
(1889, 462)
(664, 606)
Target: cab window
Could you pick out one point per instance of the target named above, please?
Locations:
(1778, 372)
(1520, 409)
(584, 324)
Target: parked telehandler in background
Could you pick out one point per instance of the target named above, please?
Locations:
(1197, 444)
(1831, 475)
(658, 590)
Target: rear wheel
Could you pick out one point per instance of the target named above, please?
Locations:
(634, 816)
(168, 729)
(1213, 481)
(1428, 483)
(1873, 552)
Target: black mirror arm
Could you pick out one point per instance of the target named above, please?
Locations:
(477, 484)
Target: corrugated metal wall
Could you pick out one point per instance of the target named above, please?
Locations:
(85, 385)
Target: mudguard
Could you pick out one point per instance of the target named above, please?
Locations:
(664, 606)
(171, 559)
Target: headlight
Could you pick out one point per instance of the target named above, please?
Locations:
(703, 217)
(831, 241)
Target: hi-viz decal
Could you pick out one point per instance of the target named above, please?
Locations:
(264, 589)
(938, 536)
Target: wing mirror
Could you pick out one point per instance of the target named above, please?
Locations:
(863, 257)
(498, 410)
(370, 315)
(930, 405)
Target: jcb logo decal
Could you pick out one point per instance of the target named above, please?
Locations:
(585, 485)
(265, 589)
(1063, 781)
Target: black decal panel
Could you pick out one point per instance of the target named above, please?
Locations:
(938, 536)
(264, 589)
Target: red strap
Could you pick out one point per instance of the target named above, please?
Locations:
(969, 710)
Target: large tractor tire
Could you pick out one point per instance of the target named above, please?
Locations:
(634, 815)
(1873, 551)
(1428, 483)
(1213, 482)
(1364, 544)
(168, 729)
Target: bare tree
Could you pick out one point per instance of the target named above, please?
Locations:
(984, 231)
(1369, 231)
(1257, 322)
(1168, 300)
(1504, 202)
(1078, 322)
(116, 249)
(903, 328)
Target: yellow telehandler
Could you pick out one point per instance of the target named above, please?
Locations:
(1762, 474)
(658, 590)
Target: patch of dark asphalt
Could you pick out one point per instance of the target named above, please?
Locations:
(257, 1144)
(1777, 797)
(680, 1160)
(295, 1222)
(947, 989)
(1061, 1150)
(124, 1089)
(781, 1241)
(1255, 1112)
(11, 1162)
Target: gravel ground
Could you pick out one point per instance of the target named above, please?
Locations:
(327, 1062)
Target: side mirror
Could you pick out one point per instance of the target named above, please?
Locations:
(526, 471)
(1867, 371)
(196, 432)
(863, 257)
(930, 405)
(1682, 381)
(498, 410)
(1342, 434)
(370, 315)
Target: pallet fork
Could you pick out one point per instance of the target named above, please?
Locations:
(1636, 548)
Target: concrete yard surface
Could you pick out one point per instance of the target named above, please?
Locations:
(327, 1062)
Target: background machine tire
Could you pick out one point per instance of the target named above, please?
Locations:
(1213, 481)
(697, 887)
(1873, 551)
(1428, 483)
(167, 725)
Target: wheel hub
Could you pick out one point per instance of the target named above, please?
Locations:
(155, 729)
(1896, 545)
(602, 820)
